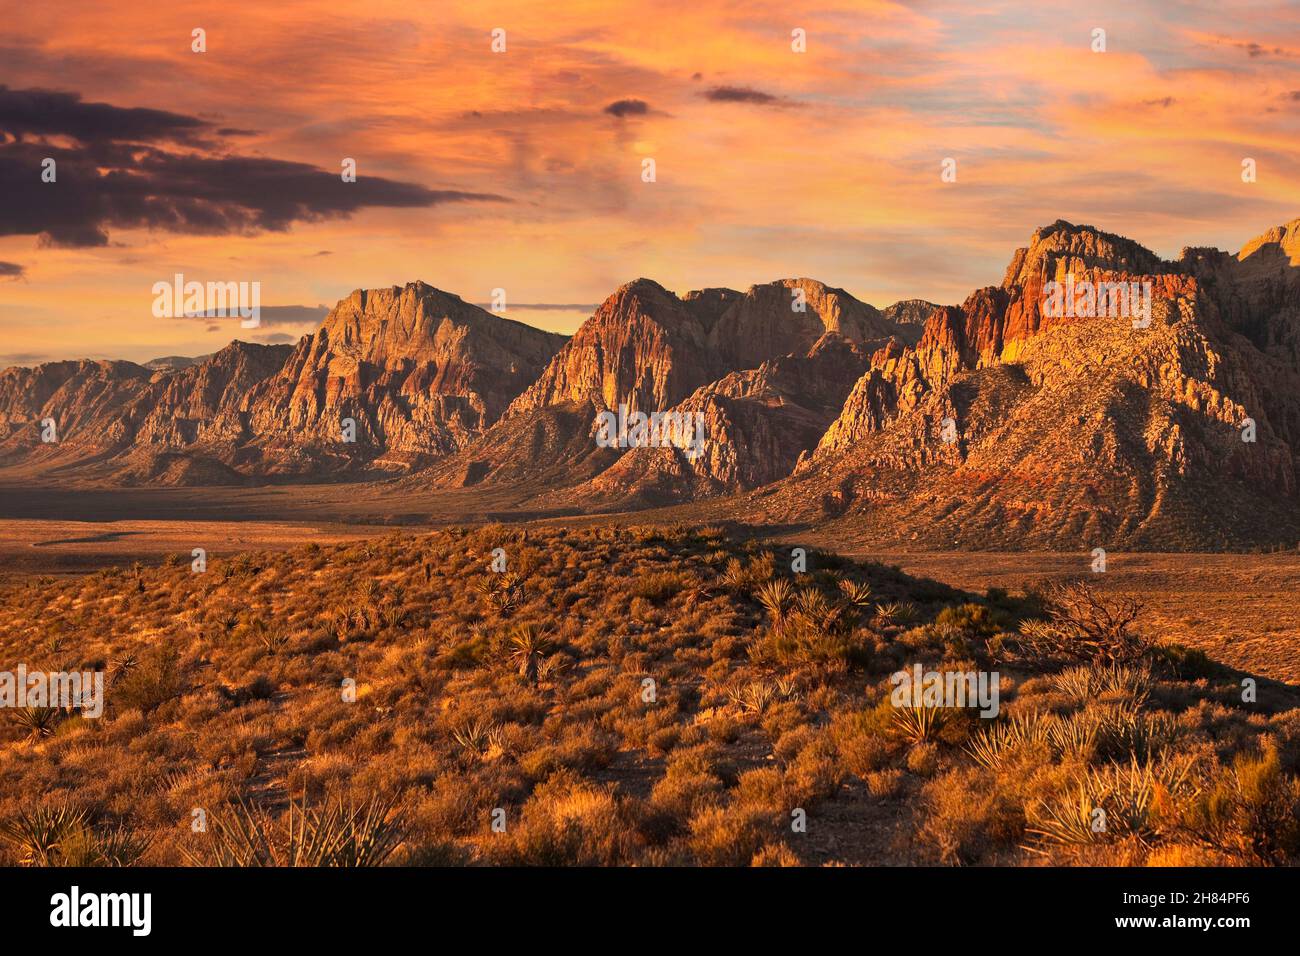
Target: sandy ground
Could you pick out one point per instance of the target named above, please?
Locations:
(1241, 609)
(69, 547)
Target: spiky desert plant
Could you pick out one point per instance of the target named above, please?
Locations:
(1126, 732)
(991, 747)
(1075, 683)
(120, 846)
(752, 698)
(775, 596)
(552, 667)
(505, 591)
(36, 722)
(888, 614)
(477, 736)
(917, 723)
(1127, 796)
(856, 593)
(529, 644)
(359, 835)
(337, 835)
(1128, 683)
(1072, 737)
(39, 833)
(120, 667)
(734, 575)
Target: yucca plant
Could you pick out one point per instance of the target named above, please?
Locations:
(917, 723)
(1072, 737)
(84, 846)
(995, 743)
(336, 835)
(775, 596)
(39, 833)
(37, 722)
(1127, 796)
(505, 591)
(856, 594)
(552, 667)
(1075, 683)
(529, 644)
(477, 736)
(888, 614)
(752, 698)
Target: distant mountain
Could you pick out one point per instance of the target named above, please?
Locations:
(417, 371)
(767, 369)
(173, 363)
(1097, 397)
(1006, 425)
(910, 311)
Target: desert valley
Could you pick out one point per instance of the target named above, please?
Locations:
(387, 581)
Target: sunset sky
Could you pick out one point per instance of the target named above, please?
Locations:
(522, 170)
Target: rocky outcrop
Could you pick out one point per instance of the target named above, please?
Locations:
(768, 369)
(84, 401)
(1007, 425)
(419, 371)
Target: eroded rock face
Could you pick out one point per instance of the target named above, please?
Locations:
(84, 400)
(755, 425)
(644, 348)
(767, 369)
(1006, 425)
(419, 371)
(205, 403)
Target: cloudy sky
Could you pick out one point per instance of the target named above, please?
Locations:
(522, 170)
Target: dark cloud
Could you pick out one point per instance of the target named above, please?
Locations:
(25, 113)
(631, 107)
(11, 270)
(541, 306)
(22, 358)
(743, 94)
(1256, 50)
(1165, 102)
(120, 177)
(275, 338)
(277, 315)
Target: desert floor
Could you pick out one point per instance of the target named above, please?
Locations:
(1242, 610)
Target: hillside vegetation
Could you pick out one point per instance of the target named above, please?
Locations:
(631, 696)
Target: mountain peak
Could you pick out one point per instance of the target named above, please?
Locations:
(1284, 238)
(1064, 248)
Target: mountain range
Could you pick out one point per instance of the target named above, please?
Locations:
(1000, 422)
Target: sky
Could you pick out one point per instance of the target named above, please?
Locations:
(523, 169)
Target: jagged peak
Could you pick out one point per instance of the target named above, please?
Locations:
(1064, 246)
(1285, 237)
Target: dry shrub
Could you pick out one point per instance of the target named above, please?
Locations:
(566, 822)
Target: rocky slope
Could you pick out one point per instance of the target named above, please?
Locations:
(1005, 421)
(767, 370)
(418, 371)
(1007, 425)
